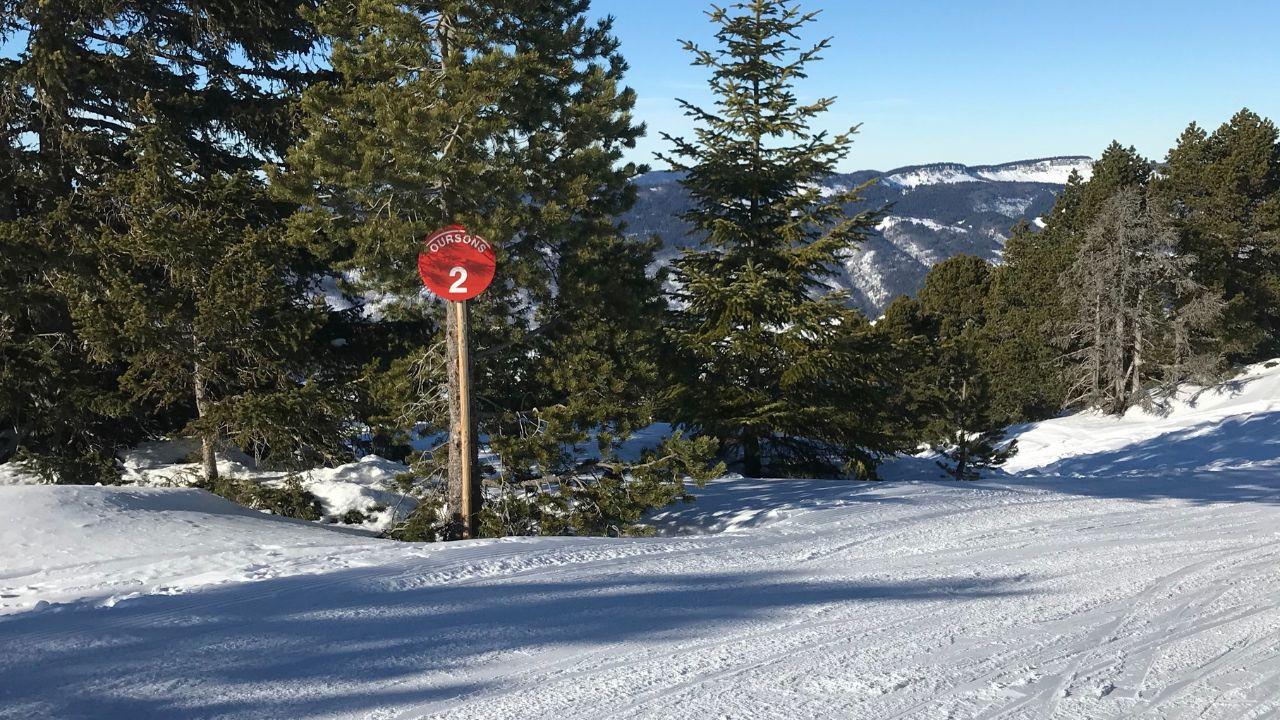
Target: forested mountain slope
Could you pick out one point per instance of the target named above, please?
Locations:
(933, 212)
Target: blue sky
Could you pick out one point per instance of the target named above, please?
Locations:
(988, 81)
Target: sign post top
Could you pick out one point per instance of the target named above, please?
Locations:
(456, 265)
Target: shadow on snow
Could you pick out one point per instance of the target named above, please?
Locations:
(1234, 460)
(355, 640)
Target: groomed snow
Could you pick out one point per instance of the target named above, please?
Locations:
(1127, 569)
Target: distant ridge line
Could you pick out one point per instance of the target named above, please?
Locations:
(1012, 163)
(672, 175)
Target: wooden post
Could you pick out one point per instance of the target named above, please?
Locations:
(457, 266)
(468, 450)
(462, 450)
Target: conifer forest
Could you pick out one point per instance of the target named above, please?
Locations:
(688, 457)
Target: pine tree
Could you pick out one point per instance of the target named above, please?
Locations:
(1021, 306)
(1132, 304)
(911, 333)
(943, 383)
(1025, 298)
(220, 76)
(1117, 168)
(206, 307)
(509, 118)
(952, 303)
(964, 432)
(767, 358)
(1223, 189)
(955, 291)
(58, 409)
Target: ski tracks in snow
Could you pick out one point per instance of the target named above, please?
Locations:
(901, 600)
(1097, 608)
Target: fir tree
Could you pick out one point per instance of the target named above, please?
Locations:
(767, 358)
(964, 433)
(220, 76)
(205, 306)
(1223, 189)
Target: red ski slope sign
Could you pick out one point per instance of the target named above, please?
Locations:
(456, 265)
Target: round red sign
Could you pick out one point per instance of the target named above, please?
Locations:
(456, 265)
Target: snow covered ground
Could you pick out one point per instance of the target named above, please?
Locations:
(367, 486)
(1125, 568)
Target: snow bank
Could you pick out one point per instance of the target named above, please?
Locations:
(366, 486)
(106, 544)
(366, 490)
(12, 473)
(1235, 425)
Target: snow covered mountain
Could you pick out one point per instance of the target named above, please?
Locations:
(934, 212)
(1052, 171)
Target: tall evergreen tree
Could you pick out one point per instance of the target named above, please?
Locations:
(509, 118)
(58, 408)
(1021, 305)
(219, 76)
(924, 333)
(200, 299)
(767, 358)
(911, 335)
(1223, 189)
(943, 382)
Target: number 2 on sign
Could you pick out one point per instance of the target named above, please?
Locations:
(457, 286)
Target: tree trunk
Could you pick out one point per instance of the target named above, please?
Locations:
(208, 444)
(1118, 374)
(463, 492)
(1098, 355)
(1180, 346)
(751, 455)
(9, 441)
(1135, 383)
